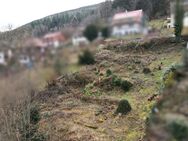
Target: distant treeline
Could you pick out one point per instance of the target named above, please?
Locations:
(153, 8)
(86, 15)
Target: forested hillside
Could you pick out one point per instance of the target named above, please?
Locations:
(86, 15)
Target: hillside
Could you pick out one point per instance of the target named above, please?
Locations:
(153, 9)
(52, 23)
(81, 106)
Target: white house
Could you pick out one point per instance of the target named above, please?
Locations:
(2, 58)
(24, 59)
(78, 38)
(185, 20)
(126, 23)
(55, 39)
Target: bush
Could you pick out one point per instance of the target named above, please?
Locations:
(123, 84)
(116, 81)
(108, 73)
(86, 58)
(123, 108)
(146, 71)
(126, 85)
(105, 32)
(91, 32)
(179, 131)
(34, 114)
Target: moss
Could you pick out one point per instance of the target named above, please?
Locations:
(169, 75)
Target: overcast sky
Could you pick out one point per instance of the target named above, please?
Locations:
(19, 12)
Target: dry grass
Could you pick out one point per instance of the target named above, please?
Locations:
(15, 102)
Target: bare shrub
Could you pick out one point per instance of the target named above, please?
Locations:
(15, 102)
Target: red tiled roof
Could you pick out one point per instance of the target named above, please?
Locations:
(127, 17)
(56, 36)
(131, 14)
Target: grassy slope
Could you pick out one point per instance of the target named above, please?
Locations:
(89, 116)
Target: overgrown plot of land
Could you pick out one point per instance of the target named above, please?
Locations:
(81, 106)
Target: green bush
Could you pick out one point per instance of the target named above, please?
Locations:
(108, 73)
(105, 32)
(179, 131)
(146, 71)
(123, 107)
(34, 114)
(91, 32)
(123, 84)
(117, 81)
(126, 85)
(86, 58)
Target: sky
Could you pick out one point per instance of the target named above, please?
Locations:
(20, 12)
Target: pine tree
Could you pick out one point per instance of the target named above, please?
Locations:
(91, 32)
(145, 5)
(123, 4)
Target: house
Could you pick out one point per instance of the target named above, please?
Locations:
(126, 23)
(185, 20)
(24, 59)
(2, 58)
(6, 52)
(55, 39)
(79, 39)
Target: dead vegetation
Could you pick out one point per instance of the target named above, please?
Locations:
(15, 107)
(81, 106)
